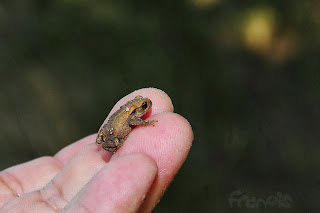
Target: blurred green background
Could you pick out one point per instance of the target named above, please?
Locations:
(244, 73)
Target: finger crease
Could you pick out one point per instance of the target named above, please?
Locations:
(83, 208)
(45, 201)
(50, 194)
(11, 183)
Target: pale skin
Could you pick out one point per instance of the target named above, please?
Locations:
(83, 177)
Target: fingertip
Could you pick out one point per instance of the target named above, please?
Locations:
(145, 163)
(145, 160)
(182, 136)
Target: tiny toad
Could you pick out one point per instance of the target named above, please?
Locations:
(114, 132)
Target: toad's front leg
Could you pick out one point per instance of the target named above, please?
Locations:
(138, 121)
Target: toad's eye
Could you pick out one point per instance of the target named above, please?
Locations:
(144, 106)
(102, 138)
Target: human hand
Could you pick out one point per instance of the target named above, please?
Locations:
(83, 177)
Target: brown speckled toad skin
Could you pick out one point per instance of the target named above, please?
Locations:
(114, 132)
